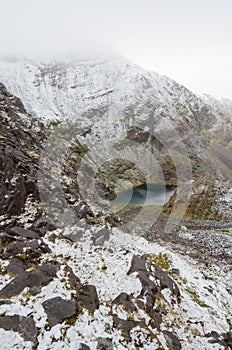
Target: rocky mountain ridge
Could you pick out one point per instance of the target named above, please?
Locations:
(91, 285)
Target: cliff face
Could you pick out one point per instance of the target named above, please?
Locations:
(21, 140)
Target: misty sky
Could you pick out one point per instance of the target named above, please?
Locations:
(187, 40)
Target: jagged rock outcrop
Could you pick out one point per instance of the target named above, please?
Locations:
(159, 279)
(21, 139)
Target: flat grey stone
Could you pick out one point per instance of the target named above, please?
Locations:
(22, 232)
(125, 300)
(58, 309)
(39, 278)
(88, 298)
(172, 340)
(21, 324)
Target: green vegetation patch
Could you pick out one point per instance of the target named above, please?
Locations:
(161, 260)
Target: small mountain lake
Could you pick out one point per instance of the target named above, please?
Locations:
(147, 194)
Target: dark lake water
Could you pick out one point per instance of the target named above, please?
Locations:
(142, 195)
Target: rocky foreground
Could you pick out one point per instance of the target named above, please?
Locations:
(125, 294)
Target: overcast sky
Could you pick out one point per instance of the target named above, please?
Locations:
(187, 40)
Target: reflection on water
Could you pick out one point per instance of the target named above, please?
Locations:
(146, 194)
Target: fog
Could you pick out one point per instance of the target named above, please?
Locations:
(189, 41)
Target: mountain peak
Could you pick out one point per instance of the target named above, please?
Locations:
(62, 88)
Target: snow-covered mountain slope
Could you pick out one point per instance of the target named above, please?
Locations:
(61, 90)
(111, 98)
(107, 96)
(110, 91)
